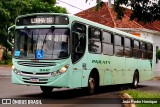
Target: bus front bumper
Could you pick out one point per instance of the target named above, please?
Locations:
(55, 81)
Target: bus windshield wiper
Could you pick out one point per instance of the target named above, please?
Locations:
(37, 38)
(50, 30)
(27, 31)
(53, 46)
(32, 41)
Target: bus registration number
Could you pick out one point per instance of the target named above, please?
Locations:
(34, 79)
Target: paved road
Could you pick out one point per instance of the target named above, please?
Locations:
(5, 70)
(59, 96)
(62, 96)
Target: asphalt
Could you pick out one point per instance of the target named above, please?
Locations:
(66, 94)
(5, 70)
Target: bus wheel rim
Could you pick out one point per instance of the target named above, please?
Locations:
(91, 83)
(135, 82)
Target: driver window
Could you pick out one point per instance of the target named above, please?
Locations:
(78, 41)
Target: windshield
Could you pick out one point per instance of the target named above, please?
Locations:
(42, 43)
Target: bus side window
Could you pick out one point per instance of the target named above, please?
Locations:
(143, 50)
(78, 41)
(119, 45)
(128, 47)
(136, 49)
(149, 51)
(94, 43)
(107, 42)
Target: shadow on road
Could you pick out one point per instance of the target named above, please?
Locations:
(74, 93)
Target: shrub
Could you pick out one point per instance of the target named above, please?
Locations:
(158, 54)
(7, 57)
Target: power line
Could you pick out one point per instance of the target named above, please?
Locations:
(83, 10)
(70, 5)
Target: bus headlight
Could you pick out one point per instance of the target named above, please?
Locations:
(61, 71)
(16, 70)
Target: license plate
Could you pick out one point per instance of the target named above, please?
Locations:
(34, 79)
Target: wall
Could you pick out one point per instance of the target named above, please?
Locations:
(156, 43)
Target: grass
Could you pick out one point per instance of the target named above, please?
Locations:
(144, 96)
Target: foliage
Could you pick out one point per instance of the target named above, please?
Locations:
(99, 4)
(10, 9)
(141, 94)
(138, 95)
(141, 9)
(6, 57)
(158, 54)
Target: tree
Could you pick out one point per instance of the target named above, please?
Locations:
(10, 9)
(158, 54)
(141, 9)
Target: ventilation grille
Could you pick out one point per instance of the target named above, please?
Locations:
(42, 73)
(36, 64)
(35, 82)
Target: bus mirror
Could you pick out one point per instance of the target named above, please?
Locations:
(9, 36)
(52, 28)
(75, 34)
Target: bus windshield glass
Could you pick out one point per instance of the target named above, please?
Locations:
(41, 43)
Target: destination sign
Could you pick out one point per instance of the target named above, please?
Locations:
(42, 20)
(48, 20)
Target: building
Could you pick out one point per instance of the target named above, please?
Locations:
(106, 16)
(153, 1)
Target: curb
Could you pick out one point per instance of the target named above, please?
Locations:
(2, 66)
(156, 78)
(127, 97)
(5, 65)
(5, 76)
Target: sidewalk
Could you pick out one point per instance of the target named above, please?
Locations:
(5, 70)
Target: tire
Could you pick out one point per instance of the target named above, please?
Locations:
(46, 89)
(135, 80)
(92, 84)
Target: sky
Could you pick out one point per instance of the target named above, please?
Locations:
(81, 4)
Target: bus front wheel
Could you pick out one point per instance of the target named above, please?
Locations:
(92, 84)
(46, 89)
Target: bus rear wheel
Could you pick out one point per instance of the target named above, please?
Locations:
(46, 89)
(135, 80)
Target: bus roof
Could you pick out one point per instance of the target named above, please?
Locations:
(114, 30)
(88, 22)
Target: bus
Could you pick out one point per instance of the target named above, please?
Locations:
(54, 50)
